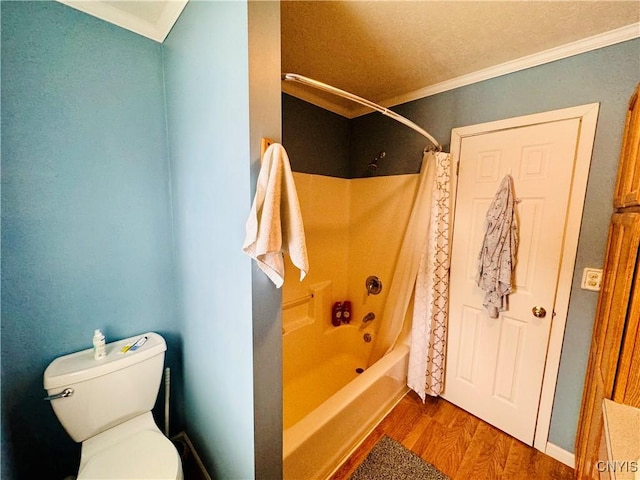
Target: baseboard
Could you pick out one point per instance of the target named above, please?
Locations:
(561, 455)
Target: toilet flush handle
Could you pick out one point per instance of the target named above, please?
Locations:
(67, 392)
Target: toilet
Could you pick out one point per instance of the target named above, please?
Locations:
(106, 404)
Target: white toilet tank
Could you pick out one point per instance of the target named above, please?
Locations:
(109, 391)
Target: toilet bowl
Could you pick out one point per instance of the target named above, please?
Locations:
(135, 449)
(106, 404)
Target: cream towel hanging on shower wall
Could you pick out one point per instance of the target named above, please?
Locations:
(274, 226)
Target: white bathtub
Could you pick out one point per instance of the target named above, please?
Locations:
(328, 407)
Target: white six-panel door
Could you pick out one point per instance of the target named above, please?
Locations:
(495, 367)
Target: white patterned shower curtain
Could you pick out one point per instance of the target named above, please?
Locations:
(431, 297)
(423, 271)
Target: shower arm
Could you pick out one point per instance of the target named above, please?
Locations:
(362, 101)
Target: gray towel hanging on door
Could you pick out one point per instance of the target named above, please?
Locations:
(497, 257)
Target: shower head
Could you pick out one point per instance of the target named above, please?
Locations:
(373, 165)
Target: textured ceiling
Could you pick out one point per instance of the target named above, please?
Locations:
(384, 49)
(391, 51)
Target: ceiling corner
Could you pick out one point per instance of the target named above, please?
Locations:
(151, 24)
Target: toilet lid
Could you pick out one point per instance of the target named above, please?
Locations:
(145, 455)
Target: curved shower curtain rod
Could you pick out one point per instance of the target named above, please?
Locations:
(363, 101)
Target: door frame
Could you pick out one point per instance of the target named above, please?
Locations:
(588, 116)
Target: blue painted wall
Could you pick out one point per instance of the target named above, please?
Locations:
(207, 70)
(86, 220)
(316, 140)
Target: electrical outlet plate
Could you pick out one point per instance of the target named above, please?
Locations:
(592, 279)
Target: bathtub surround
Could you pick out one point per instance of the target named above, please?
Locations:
(319, 360)
(348, 223)
(607, 76)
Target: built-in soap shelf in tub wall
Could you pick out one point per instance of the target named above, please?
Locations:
(303, 309)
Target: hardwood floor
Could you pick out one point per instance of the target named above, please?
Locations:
(458, 444)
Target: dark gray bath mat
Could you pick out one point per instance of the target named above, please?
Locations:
(389, 460)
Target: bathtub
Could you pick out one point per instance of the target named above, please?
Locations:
(329, 408)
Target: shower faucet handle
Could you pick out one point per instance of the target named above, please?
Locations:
(374, 285)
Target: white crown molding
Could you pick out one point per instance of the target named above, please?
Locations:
(155, 31)
(169, 17)
(588, 44)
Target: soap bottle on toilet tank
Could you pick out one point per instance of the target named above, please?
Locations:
(99, 345)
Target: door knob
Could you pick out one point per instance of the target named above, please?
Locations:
(539, 312)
